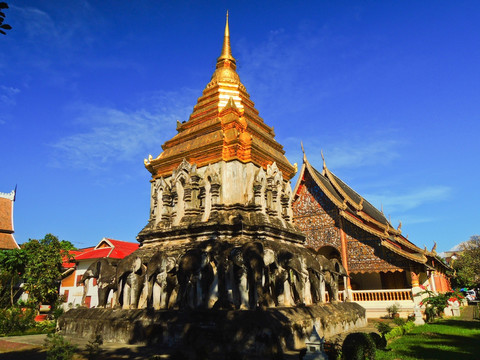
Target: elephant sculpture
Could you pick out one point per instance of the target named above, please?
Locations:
(160, 280)
(330, 276)
(223, 279)
(105, 272)
(195, 276)
(248, 273)
(130, 279)
(315, 277)
(296, 275)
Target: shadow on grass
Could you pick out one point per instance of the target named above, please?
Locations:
(30, 354)
(438, 345)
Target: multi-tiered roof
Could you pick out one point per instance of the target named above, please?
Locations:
(7, 241)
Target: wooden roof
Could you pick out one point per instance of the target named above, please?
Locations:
(358, 211)
(7, 240)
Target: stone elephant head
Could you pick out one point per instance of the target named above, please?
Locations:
(160, 273)
(296, 273)
(249, 269)
(194, 274)
(104, 270)
(130, 280)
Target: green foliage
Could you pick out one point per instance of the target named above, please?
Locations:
(399, 321)
(15, 320)
(435, 304)
(93, 348)
(395, 332)
(39, 264)
(467, 265)
(333, 349)
(383, 328)
(12, 268)
(58, 348)
(400, 330)
(43, 268)
(45, 327)
(380, 341)
(3, 5)
(358, 346)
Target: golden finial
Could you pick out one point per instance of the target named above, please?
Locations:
(226, 49)
(323, 158)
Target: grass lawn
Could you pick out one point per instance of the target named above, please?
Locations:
(450, 339)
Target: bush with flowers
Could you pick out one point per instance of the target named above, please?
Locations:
(435, 304)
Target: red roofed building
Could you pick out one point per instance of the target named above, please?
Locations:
(71, 287)
(7, 241)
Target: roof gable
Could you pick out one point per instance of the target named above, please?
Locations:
(114, 249)
(355, 209)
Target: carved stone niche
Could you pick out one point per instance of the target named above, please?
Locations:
(259, 186)
(274, 190)
(209, 193)
(182, 190)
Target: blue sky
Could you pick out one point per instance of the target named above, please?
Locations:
(389, 90)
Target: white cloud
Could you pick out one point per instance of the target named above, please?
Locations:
(111, 135)
(7, 94)
(353, 152)
(397, 203)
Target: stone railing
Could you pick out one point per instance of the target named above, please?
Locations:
(382, 295)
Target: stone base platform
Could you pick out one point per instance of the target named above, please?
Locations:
(269, 332)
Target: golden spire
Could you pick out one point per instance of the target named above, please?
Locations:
(226, 54)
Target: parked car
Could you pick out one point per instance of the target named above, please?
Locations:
(470, 295)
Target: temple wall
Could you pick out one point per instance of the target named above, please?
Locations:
(317, 217)
(314, 215)
(365, 253)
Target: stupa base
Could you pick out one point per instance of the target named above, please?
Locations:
(216, 332)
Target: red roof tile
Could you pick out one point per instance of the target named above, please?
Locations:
(116, 249)
(70, 264)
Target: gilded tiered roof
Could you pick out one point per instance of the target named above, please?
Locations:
(223, 126)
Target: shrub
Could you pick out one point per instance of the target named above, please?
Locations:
(47, 326)
(358, 346)
(409, 326)
(383, 328)
(58, 348)
(396, 332)
(16, 320)
(380, 341)
(399, 321)
(333, 349)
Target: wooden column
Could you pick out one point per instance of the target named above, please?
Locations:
(344, 254)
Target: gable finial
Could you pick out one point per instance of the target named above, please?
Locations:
(303, 151)
(323, 158)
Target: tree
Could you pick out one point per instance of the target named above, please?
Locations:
(39, 264)
(467, 265)
(3, 6)
(43, 268)
(12, 268)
